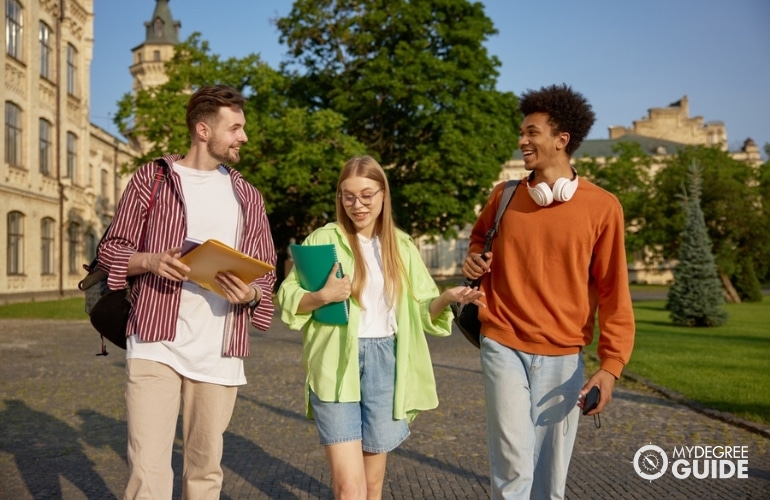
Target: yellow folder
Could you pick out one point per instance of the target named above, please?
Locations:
(212, 257)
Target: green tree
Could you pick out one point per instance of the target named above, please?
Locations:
(732, 207)
(628, 175)
(695, 298)
(417, 87)
(293, 155)
(763, 272)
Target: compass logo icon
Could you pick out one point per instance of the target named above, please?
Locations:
(650, 462)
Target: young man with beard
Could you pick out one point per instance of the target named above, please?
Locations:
(186, 345)
(558, 257)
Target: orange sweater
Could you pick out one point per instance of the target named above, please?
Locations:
(551, 268)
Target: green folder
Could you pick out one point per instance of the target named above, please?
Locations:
(313, 263)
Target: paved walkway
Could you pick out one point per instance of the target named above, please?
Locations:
(62, 429)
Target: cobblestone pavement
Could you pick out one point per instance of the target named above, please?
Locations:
(62, 429)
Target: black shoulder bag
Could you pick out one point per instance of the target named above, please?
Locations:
(467, 315)
(109, 309)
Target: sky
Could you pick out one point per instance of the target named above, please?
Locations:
(625, 57)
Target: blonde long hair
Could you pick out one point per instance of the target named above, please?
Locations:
(393, 268)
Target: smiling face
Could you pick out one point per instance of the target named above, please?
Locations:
(227, 135)
(356, 189)
(538, 144)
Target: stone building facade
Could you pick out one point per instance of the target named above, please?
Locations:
(61, 175)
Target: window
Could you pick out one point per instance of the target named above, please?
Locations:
(74, 245)
(156, 55)
(12, 134)
(47, 246)
(91, 244)
(158, 27)
(429, 253)
(461, 250)
(46, 51)
(72, 69)
(46, 147)
(13, 29)
(15, 243)
(72, 156)
(105, 179)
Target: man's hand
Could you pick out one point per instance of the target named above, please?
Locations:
(165, 264)
(235, 290)
(606, 383)
(476, 264)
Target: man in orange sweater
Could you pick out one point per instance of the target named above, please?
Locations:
(559, 256)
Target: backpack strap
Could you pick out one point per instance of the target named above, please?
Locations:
(158, 178)
(505, 199)
(510, 188)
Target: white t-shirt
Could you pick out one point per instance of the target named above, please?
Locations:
(196, 353)
(377, 318)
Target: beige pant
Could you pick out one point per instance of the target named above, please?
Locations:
(154, 392)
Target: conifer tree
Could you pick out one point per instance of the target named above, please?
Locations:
(695, 298)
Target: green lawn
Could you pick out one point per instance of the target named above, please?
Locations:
(57, 309)
(726, 368)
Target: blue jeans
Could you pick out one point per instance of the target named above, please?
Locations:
(371, 419)
(532, 419)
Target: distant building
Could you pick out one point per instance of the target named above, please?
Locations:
(60, 177)
(662, 133)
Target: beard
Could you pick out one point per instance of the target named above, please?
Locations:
(222, 152)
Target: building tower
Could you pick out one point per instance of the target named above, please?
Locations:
(150, 57)
(162, 34)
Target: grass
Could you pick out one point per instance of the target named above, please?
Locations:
(56, 309)
(724, 368)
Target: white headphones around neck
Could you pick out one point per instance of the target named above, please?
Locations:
(563, 190)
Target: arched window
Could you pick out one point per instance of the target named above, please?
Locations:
(73, 234)
(46, 147)
(45, 37)
(72, 69)
(91, 243)
(72, 156)
(47, 245)
(12, 134)
(13, 29)
(15, 243)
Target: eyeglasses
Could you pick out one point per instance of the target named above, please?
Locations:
(350, 199)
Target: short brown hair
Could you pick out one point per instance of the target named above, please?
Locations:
(205, 103)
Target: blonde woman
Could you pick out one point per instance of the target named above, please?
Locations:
(368, 379)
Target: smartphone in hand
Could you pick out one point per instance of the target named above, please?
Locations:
(591, 400)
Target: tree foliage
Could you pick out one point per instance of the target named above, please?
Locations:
(628, 175)
(695, 298)
(732, 208)
(293, 155)
(416, 87)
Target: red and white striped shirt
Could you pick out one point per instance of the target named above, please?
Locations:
(155, 300)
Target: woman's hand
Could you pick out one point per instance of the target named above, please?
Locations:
(463, 294)
(335, 290)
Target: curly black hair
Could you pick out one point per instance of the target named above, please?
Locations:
(567, 110)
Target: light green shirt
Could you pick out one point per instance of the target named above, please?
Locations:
(330, 352)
